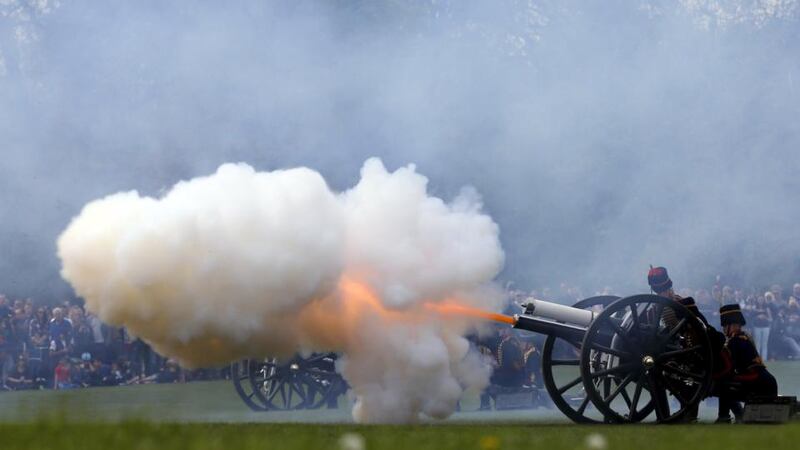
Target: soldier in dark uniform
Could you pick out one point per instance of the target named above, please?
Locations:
(510, 370)
(745, 374)
(533, 364)
(487, 347)
(661, 284)
(505, 351)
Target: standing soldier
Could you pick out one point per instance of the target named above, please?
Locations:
(510, 360)
(745, 374)
(533, 364)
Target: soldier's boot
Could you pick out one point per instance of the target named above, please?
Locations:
(486, 403)
(724, 410)
(690, 416)
(333, 402)
(738, 411)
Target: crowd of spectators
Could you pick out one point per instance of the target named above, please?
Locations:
(773, 315)
(64, 347)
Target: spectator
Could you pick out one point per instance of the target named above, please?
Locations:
(5, 309)
(168, 374)
(705, 303)
(38, 334)
(789, 329)
(739, 297)
(716, 295)
(761, 316)
(20, 378)
(10, 345)
(74, 315)
(728, 296)
(6, 366)
(777, 291)
(100, 374)
(85, 374)
(117, 376)
(97, 328)
(59, 327)
(83, 340)
(63, 375)
(796, 293)
(607, 290)
(6, 333)
(39, 322)
(19, 328)
(59, 348)
(29, 314)
(98, 347)
(39, 346)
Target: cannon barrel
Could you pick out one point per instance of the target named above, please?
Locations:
(573, 333)
(552, 319)
(559, 313)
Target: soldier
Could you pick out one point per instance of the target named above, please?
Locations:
(661, 284)
(506, 352)
(745, 374)
(510, 360)
(533, 364)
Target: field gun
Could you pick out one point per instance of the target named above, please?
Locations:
(631, 358)
(605, 359)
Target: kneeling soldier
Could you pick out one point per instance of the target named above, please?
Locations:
(745, 374)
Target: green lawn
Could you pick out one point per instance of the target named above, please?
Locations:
(210, 415)
(142, 436)
(217, 402)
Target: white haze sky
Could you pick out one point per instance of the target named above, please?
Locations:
(603, 135)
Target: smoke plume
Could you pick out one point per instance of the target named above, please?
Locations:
(244, 263)
(604, 136)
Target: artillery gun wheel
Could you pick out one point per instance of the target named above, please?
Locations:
(561, 374)
(282, 385)
(648, 348)
(243, 374)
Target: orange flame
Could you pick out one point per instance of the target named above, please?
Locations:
(468, 311)
(356, 292)
(356, 301)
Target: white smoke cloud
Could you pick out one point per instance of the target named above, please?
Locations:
(244, 263)
(413, 246)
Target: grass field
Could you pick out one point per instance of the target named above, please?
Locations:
(210, 415)
(143, 436)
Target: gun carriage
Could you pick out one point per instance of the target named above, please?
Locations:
(605, 360)
(275, 384)
(638, 358)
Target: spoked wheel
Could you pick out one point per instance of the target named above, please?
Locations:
(561, 370)
(297, 383)
(243, 374)
(639, 352)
